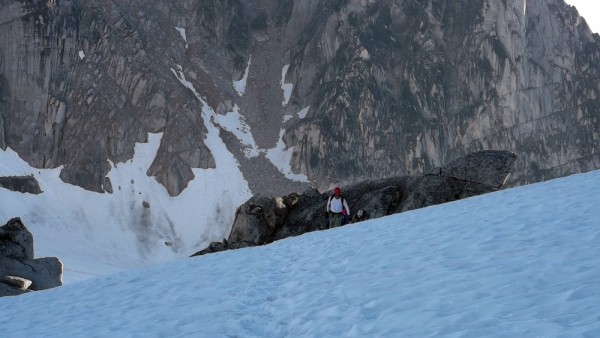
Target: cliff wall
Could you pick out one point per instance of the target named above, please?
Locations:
(392, 87)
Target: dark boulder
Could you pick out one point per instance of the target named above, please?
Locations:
(261, 216)
(16, 241)
(213, 247)
(17, 259)
(26, 184)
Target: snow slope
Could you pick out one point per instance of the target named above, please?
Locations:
(521, 262)
(137, 225)
(139, 220)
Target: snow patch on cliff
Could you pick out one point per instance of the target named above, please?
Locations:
(236, 124)
(282, 157)
(287, 87)
(183, 35)
(240, 86)
(302, 113)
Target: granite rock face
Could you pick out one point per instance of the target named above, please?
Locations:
(17, 261)
(257, 223)
(380, 88)
(427, 82)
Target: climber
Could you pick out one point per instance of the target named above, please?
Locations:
(360, 216)
(337, 208)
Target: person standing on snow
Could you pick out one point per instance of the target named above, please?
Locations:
(336, 208)
(360, 216)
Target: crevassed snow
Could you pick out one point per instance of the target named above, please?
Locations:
(240, 86)
(236, 124)
(521, 262)
(287, 87)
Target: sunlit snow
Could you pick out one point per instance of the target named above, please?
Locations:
(521, 262)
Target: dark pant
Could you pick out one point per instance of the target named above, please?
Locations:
(335, 220)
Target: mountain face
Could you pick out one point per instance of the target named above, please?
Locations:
(354, 89)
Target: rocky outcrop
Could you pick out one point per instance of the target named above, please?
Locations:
(390, 88)
(263, 219)
(467, 176)
(26, 184)
(17, 262)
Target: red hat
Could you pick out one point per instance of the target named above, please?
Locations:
(337, 191)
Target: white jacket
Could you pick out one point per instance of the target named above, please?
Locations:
(335, 205)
